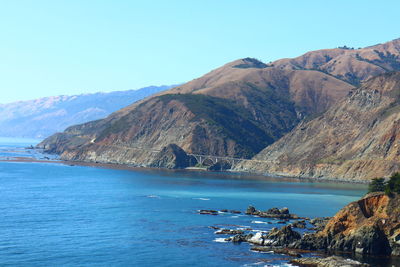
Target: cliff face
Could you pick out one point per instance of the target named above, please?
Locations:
(235, 110)
(368, 226)
(356, 139)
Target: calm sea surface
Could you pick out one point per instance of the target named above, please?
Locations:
(60, 215)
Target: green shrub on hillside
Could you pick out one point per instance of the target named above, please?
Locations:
(390, 187)
(377, 185)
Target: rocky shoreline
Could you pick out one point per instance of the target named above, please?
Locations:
(367, 227)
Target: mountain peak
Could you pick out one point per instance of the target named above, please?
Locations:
(248, 62)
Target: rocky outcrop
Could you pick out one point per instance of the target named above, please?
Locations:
(356, 139)
(282, 213)
(333, 261)
(229, 232)
(208, 212)
(281, 237)
(369, 226)
(172, 157)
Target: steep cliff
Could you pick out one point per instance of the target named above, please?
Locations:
(368, 226)
(356, 139)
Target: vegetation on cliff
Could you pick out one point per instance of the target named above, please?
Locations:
(390, 187)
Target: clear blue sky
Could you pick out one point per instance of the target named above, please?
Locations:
(79, 46)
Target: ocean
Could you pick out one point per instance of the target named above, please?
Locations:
(55, 214)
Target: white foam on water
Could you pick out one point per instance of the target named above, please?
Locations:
(153, 196)
(259, 222)
(220, 240)
(254, 264)
(201, 198)
(234, 217)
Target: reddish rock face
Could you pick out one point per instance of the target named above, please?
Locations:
(368, 211)
(368, 226)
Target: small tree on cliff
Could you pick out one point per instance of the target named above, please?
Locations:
(376, 185)
(393, 185)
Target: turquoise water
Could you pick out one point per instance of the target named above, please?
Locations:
(60, 215)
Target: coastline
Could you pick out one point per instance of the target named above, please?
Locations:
(231, 174)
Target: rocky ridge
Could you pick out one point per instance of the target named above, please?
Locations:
(356, 139)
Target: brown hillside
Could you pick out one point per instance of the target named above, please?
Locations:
(356, 139)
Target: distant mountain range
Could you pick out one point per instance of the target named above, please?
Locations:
(43, 117)
(244, 108)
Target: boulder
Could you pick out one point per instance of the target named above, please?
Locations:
(281, 237)
(251, 211)
(208, 212)
(229, 232)
(239, 238)
(271, 213)
(235, 211)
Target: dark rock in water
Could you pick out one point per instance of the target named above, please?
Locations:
(251, 210)
(239, 238)
(224, 210)
(209, 212)
(229, 232)
(299, 224)
(214, 227)
(235, 211)
(333, 261)
(285, 251)
(281, 237)
(220, 166)
(274, 211)
(172, 157)
(284, 211)
(271, 213)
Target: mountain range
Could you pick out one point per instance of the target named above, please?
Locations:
(43, 117)
(285, 114)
